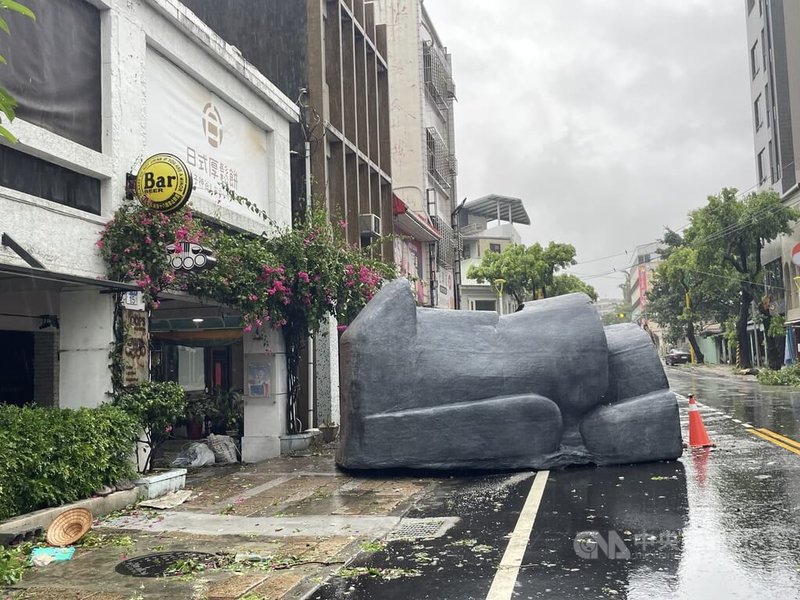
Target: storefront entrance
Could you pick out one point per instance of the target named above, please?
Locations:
(16, 367)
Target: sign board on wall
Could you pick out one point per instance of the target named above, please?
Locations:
(163, 183)
(642, 285)
(446, 298)
(408, 255)
(136, 354)
(220, 146)
(258, 377)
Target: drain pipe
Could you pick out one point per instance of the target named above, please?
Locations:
(310, 339)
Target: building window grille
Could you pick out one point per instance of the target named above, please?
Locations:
(438, 81)
(449, 246)
(439, 159)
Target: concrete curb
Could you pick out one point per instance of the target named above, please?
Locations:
(41, 519)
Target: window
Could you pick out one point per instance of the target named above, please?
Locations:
(494, 248)
(757, 113)
(439, 167)
(750, 6)
(754, 59)
(485, 305)
(37, 177)
(54, 69)
(760, 167)
(773, 173)
(467, 251)
(191, 368)
(767, 105)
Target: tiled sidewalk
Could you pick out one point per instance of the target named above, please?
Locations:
(300, 516)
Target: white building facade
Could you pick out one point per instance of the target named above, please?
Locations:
(422, 137)
(148, 77)
(487, 224)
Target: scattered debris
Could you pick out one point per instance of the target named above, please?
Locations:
(168, 501)
(44, 556)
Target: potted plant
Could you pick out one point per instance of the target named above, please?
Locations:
(197, 407)
(329, 431)
(156, 405)
(227, 412)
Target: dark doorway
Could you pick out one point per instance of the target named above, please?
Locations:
(219, 373)
(16, 367)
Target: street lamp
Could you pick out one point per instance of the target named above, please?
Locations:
(499, 284)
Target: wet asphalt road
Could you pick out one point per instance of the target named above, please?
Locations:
(719, 523)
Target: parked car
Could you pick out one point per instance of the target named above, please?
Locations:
(677, 357)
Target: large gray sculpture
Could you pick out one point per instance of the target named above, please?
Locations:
(547, 386)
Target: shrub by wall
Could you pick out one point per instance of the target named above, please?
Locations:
(49, 456)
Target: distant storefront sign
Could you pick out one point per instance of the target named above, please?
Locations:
(796, 254)
(222, 148)
(163, 183)
(642, 285)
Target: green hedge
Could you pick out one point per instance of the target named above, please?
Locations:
(49, 456)
(788, 375)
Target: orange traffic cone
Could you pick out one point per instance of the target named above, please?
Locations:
(698, 438)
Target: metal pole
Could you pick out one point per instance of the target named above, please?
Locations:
(311, 381)
(691, 348)
(499, 283)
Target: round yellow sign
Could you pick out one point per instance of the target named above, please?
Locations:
(163, 183)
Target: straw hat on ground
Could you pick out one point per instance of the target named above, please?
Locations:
(69, 527)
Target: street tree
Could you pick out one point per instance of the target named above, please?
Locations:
(527, 271)
(7, 103)
(729, 233)
(684, 297)
(565, 283)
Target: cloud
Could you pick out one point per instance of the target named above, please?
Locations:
(610, 119)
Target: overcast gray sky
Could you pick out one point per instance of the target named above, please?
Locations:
(610, 118)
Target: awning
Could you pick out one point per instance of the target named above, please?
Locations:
(415, 225)
(46, 275)
(493, 206)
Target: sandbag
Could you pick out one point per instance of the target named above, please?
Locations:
(223, 447)
(197, 454)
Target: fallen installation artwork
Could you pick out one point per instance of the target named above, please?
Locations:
(547, 386)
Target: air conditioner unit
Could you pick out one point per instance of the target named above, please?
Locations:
(370, 225)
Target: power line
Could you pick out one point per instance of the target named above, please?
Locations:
(716, 235)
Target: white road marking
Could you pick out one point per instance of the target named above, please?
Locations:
(718, 412)
(508, 570)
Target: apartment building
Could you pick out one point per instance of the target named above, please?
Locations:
(487, 224)
(774, 67)
(424, 167)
